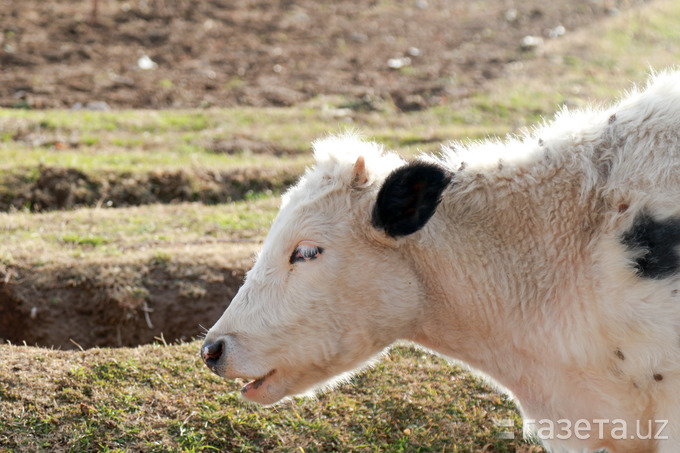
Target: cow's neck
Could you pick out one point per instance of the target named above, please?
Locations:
(505, 265)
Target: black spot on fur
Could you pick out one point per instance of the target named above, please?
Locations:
(541, 142)
(658, 377)
(655, 242)
(619, 354)
(546, 156)
(612, 118)
(409, 198)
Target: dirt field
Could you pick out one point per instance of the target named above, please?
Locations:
(171, 54)
(157, 54)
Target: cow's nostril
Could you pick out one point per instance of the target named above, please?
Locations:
(211, 353)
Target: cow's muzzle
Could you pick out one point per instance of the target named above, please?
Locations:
(211, 354)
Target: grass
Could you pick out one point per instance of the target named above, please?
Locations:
(135, 141)
(597, 63)
(137, 161)
(85, 235)
(102, 250)
(161, 398)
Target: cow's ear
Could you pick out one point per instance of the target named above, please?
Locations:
(359, 174)
(409, 197)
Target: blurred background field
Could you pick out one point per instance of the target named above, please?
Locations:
(144, 146)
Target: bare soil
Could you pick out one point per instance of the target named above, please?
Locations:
(93, 308)
(162, 54)
(51, 188)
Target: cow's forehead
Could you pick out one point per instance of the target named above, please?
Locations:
(309, 212)
(306, 212)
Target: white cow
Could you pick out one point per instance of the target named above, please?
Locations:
(549, 263)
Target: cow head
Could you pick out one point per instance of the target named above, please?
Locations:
(332, 286)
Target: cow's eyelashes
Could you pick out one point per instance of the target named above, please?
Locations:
(305, 252)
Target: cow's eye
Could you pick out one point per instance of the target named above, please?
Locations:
(305, 251)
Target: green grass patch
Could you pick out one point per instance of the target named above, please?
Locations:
(179, 156)
(140, 141)
(96, 233)
(162, 398)
(74, 238)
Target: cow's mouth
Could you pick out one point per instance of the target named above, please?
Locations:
(252, 388)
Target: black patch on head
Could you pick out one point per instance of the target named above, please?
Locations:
(656, 243)
(409, 197)
(619, 354)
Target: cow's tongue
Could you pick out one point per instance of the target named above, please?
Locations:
(252, 386)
